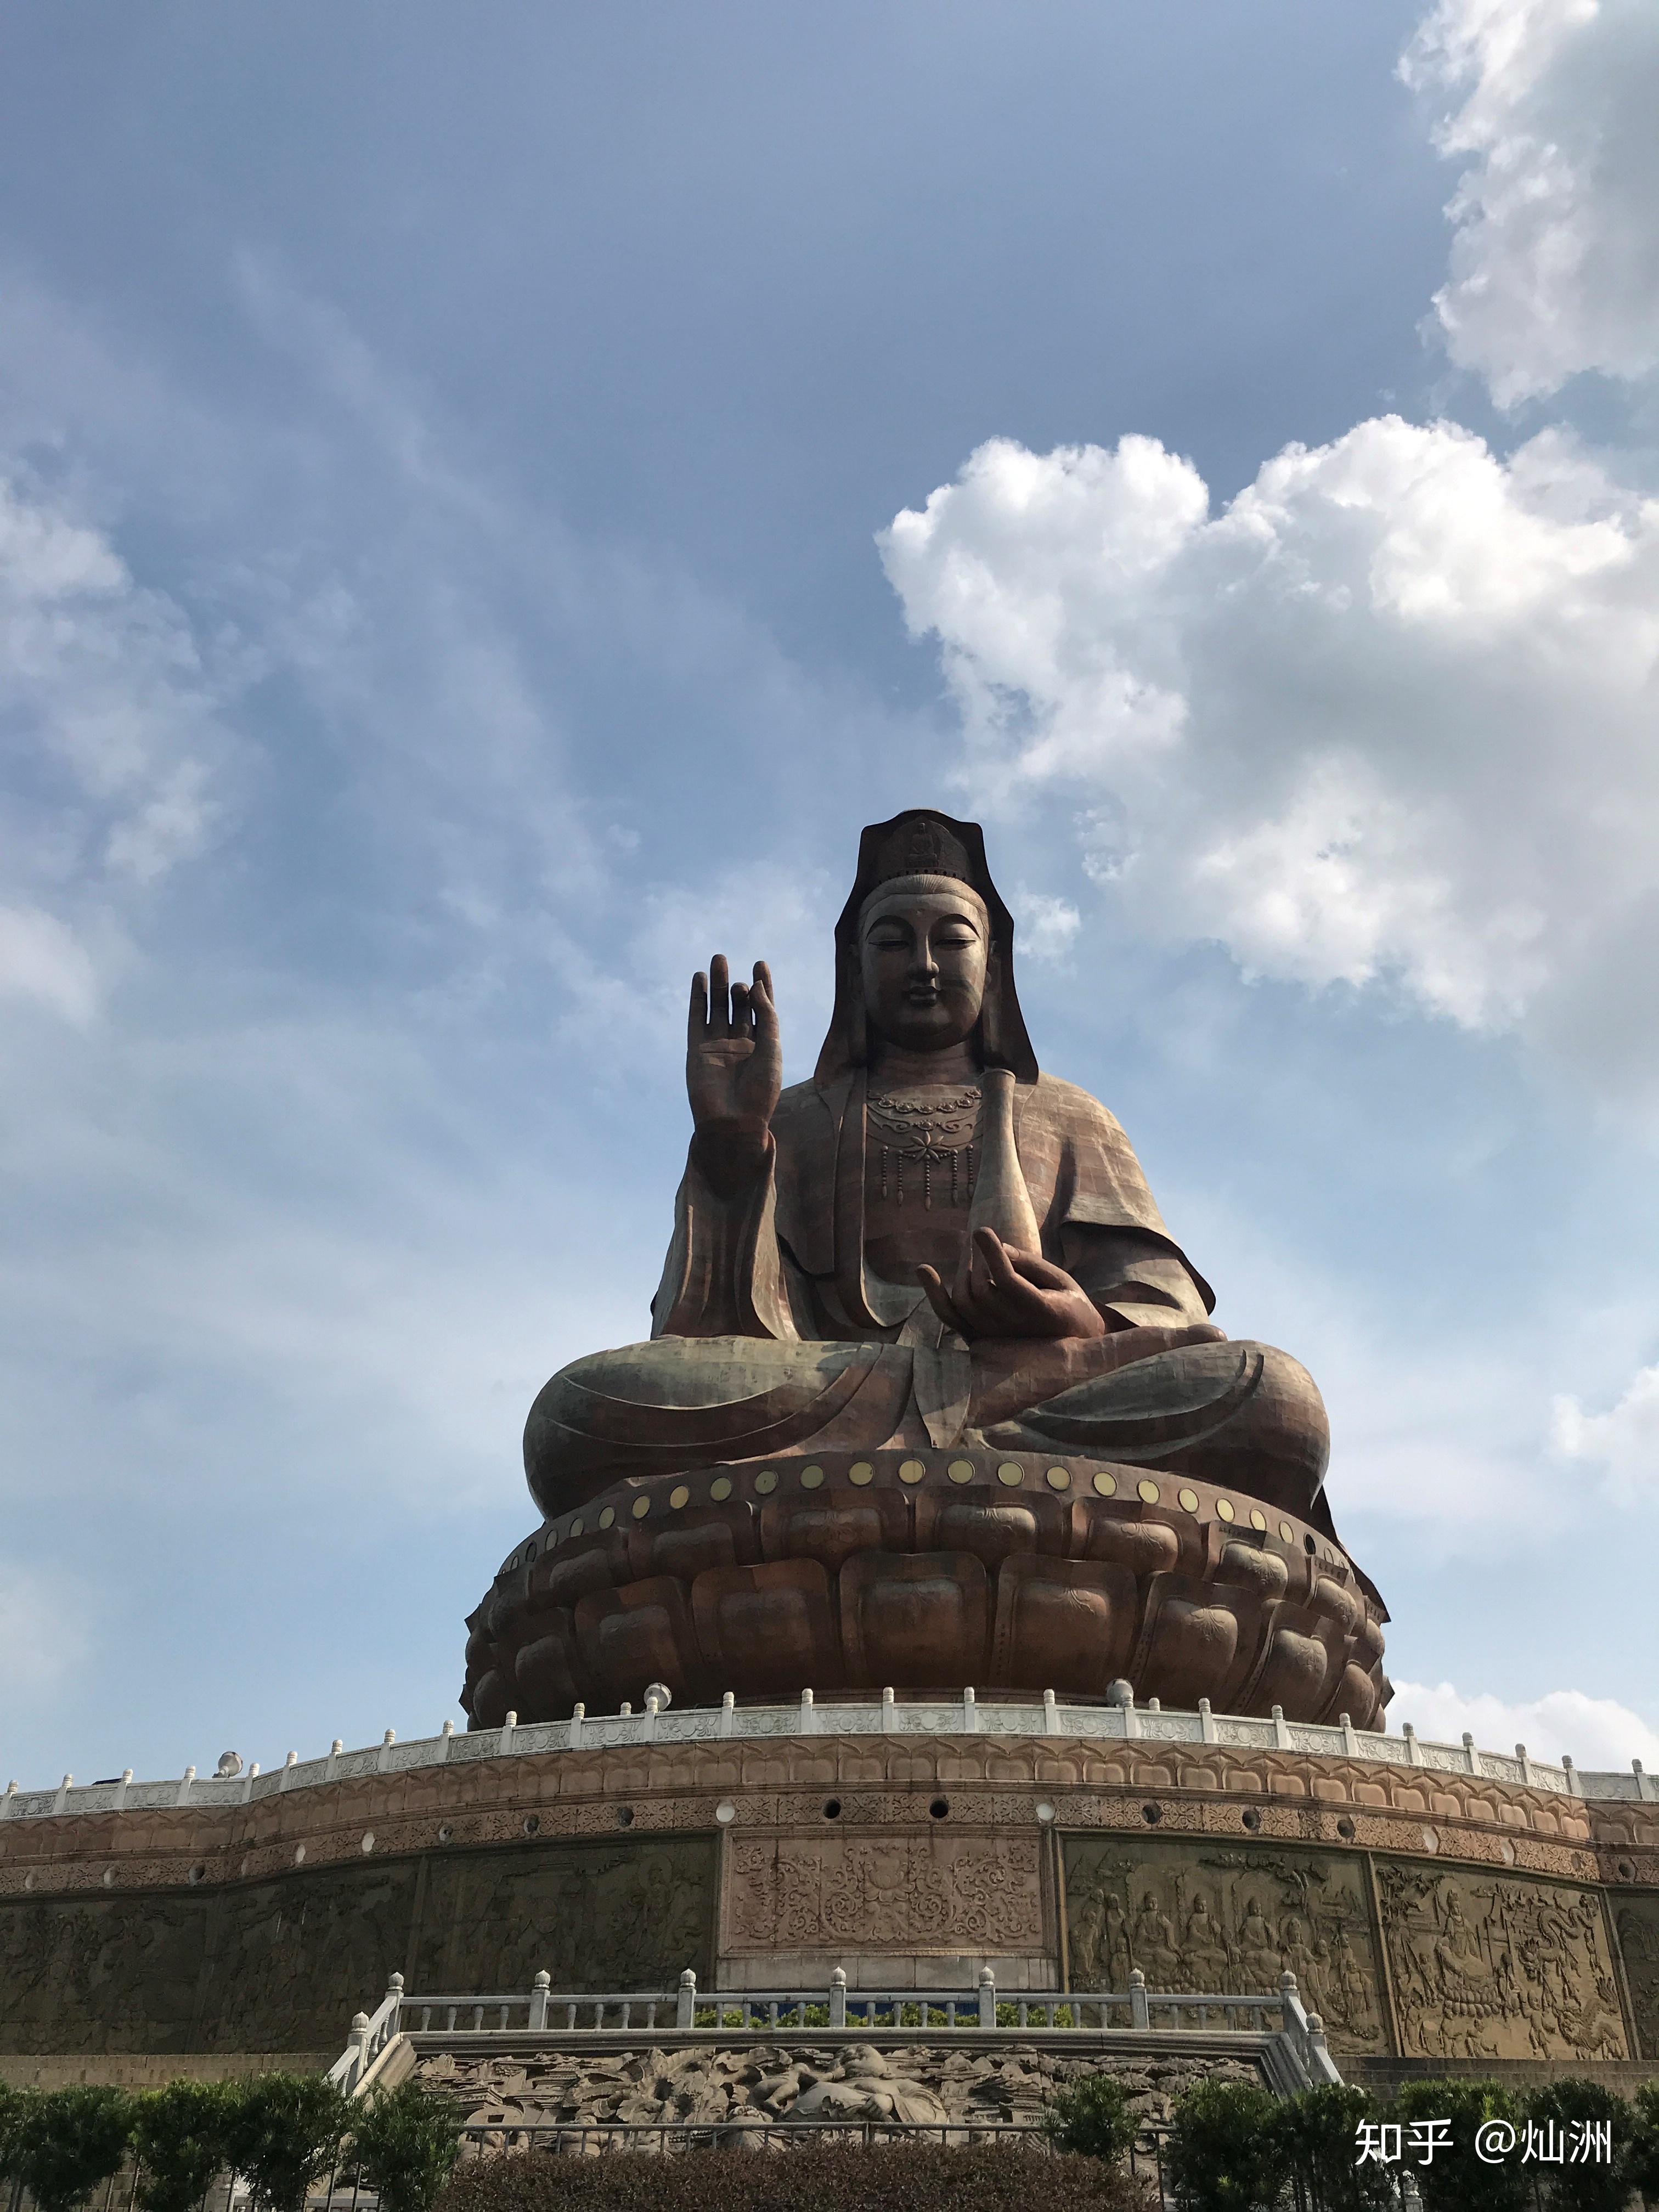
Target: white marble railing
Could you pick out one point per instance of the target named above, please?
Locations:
(1278, 2018)
(885, 1715)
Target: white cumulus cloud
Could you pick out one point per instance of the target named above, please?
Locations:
(1624, 1442)
(1597, 1734)
(42, 960)
(111, 745)
(1554, 106)
(1388, 715)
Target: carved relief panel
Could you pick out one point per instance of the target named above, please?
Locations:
(1636, 1922)
(1484, 1967)
(1211, 1919)
(939, 1892)
(596, 1916)
(74, 1974)
(290, 1961)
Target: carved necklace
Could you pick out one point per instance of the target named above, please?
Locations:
(926, 1134)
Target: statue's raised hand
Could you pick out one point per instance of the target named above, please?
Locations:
(733, 1072)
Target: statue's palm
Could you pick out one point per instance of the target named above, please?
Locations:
(733, 1060)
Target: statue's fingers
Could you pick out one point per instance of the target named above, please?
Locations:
(719, 996)
(740, 1021)
(940, 1300)
(1043, 1272)
(999, 1264)
(764, 1005)
(696, 1021)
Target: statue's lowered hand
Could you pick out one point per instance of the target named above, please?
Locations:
(1002, 1292)
(733, 1072)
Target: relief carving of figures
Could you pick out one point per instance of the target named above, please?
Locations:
(1207, 1922)
(597, 1917)
(83, 1976)
(1494, 1968)
(291, 1959)
(906, 1892)
(1637, 1924)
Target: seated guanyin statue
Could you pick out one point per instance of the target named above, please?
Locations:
(920, 1325)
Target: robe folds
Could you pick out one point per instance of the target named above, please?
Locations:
(786, 1260)
(771, 1332)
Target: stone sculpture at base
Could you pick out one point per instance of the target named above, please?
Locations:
(936, 1258)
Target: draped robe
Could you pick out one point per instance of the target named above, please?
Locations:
(771, 1332)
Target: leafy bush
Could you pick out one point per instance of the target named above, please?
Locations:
(404, 2145)
(808, 2177)
(283, 2131)
(1456, 2179)
(179, 2134)
(1224, 2153)
(65, 2142)
(1092, 2116)
(1642, 2159)
(1318, 2135)
(1584, 2186)
(11, 2108)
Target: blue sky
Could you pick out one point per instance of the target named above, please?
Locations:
(489, 506)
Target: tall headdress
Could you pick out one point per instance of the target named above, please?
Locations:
(923, 842)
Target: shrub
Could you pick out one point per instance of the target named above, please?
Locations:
(1318, 2136)
(179, 2134)
(1224, 2152)
(282, 2132)
(1642, 2159)
(1092, 2116)
(11, 2106)
(1456, 2179)
(65, 2141)
(1584, 2186)
(404, 2143)
(807, 2177)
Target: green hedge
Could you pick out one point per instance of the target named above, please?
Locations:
(806, 2177)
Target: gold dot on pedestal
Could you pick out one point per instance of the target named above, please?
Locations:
(576, 1526)
(1105, 1484)
(607, 1517)
(1059, 1479)
(1148, 1490)
(1012, 1475)
(861, 1472)
(811, 1477)
(1258, 1518)
(1223, 1507)
(961, 1470)
(1189, 1500)
(1286, 1534)
(641, 1507)
(911, 1470)
(720, 1487)
(766, 1481)
(678, 1496)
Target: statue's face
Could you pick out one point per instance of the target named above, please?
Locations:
(924, 954)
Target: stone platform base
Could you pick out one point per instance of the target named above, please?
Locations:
(1434, 1903)
(127, 2069)
(1021, 1570)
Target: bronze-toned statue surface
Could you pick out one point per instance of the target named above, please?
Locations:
(932, 1252)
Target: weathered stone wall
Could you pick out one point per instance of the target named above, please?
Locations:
(282, 1966)
(1424, 1914)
